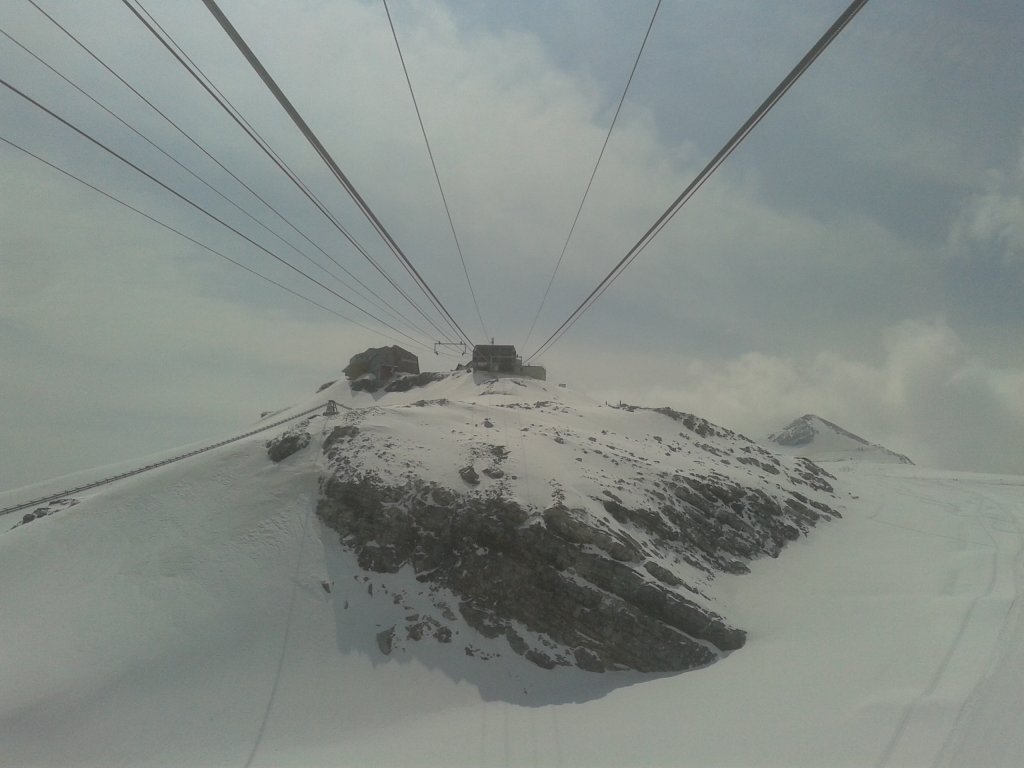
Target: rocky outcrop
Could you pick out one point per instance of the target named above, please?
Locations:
(716, 525)
(292, 441)
(616, 580)
(405, 382)
(584, 588)
(798, 432)
(401, 382)
(40, 512)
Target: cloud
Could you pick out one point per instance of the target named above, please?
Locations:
(755, 305)
(994, 216)
(928, 396)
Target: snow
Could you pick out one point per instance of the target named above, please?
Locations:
(177, 618)
(820, 440)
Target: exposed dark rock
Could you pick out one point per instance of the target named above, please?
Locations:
(405, 382)
(346, 432)
(540, 658)
(662, 574)
(750, 460)
(798, 433)
(386, 640)
(364, 384)
(292, 441)
(813, 475)
(427, 626)
(325, 385)
(587, 660)
(543, 573)
(586, 582)
(569, 525)
(516, 641)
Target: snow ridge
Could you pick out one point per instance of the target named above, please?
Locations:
(822, 440)
(595, 527)
(201, 614)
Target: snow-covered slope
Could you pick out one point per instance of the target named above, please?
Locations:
(821, 440)
(584, 534)
(182, 617)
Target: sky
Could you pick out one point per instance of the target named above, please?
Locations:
(860, 255)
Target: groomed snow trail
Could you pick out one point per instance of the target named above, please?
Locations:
(985, 597)
(989, 727)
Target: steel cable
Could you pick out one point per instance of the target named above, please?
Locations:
(816, 50)
(433, 164)
(281, 166)
(193, 204)
(593, 173)
(315, 142)
(185, 168)
(192, 240)
(170, 121)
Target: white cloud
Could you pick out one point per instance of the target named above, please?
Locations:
(929, 396)
(994, 216)
(745, 267)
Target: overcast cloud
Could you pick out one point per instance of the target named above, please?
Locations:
(861, 256)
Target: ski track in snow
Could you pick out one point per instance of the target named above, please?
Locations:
(284, 639)
(941, 702)
(994, 708)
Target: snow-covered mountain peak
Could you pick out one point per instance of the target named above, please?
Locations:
(199, 612)
(581, 533)
(497, 517)
(821, 440)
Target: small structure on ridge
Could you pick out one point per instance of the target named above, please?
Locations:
(502, 358)
(382, 363)
(497, 358)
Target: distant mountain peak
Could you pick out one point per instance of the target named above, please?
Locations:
(822, 440)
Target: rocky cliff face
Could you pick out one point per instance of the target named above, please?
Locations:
(582, 534)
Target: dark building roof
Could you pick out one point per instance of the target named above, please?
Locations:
(495, 357)
(382, 361)
(494, 350)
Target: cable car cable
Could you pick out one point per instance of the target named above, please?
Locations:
(184, 167)
(283, 167)
(311, 137)
(433, 164)
(816, 50)
(593, 173)
(191, 239)
(224, 168)
(190, 202)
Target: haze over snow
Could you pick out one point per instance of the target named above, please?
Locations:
(201, 614)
